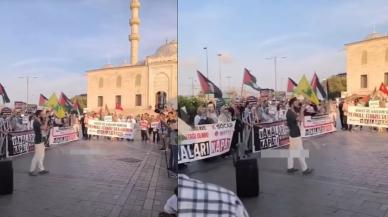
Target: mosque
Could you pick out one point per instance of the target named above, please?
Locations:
(137, 87)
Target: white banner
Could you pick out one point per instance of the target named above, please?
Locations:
(206, 141)
(373, 117)
(111, 129)
(317, 125)
(60, 135)
(374, 103)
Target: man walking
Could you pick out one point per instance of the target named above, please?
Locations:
(38, 158)
(296, 144)
(341, 113)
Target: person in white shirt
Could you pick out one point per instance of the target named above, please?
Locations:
(198, 116)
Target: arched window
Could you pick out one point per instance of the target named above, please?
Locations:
(118, 81)
(386, 54)
(364, 57)
(101, 83)
(138, 80)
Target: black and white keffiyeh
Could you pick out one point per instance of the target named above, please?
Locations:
(197, 199)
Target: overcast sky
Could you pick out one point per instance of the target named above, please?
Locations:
(58, 41)
(310, 34)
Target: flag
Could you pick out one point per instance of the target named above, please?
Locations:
(118, 107)
(76, 106)
(4, 94)
(291, 85)
(383, 88)
(250, 80)
(315, 83)
(208, 86)
(52, 101)
(59, 111)
(65, 102)
(42, 100)
(305, 90)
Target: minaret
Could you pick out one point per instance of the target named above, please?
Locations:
(134, 36)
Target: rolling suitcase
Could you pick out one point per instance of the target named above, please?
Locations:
(247, 178)
(6, 177)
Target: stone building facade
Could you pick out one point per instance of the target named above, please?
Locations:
(134, 86)
(367, 64)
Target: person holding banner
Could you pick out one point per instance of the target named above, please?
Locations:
(296, 143)
(143, 129)
(38, 157)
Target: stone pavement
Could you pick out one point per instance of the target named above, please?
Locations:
(92, 178)
(350, 179)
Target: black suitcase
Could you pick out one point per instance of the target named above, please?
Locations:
(247, 178)
(6, 177)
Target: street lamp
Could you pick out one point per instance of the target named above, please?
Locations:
(275, 58)
(207, 63)
(28, 81)
(219, 68)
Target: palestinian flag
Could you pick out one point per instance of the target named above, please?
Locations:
(208, 87)
(315, 83)
(4, 94)
(383, 88)
(42, 100)
(118, 107)
(250, 80)
(291, 85)
(65, 102)
(76, 106)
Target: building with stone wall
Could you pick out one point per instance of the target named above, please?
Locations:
(134, 86)
(367, 64)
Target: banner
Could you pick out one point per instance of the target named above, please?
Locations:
(112, 129)
(317, 125)
(270, 135)
(31, 108)
(374, 103)
(20, 142)
(108, 118)
(60, 135)
(206, 141)
(20, 105)
(373, 117)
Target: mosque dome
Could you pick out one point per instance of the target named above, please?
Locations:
(373, 35)
(166, 50)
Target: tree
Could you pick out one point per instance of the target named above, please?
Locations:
(191, 103)
(81, 99)
(337, 84)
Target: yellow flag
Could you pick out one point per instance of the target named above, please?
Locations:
(59, 111)
(52, 101)
(305, 89)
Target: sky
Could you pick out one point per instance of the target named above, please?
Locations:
(58, 41)
(309, 34)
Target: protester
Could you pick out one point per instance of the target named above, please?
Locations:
(144, 129)
(192, 193)
(211, 112)
(171, 206)
(38, 158)
(296, 144)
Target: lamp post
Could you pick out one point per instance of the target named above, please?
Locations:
(275, 59)
(219, 69)
(27, 81)
(207, 63)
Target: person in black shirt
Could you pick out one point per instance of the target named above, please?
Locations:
(38, 125)
(296, 144)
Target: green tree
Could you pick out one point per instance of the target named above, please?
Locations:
(336, 85)
(191, 103)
